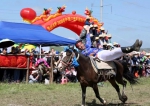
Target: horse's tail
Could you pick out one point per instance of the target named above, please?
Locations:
(128, 75)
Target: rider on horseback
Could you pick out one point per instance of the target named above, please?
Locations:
(105, 55)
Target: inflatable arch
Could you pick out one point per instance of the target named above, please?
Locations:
(73, 21)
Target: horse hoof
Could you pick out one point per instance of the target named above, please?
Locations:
(104, 101)
(124, 98)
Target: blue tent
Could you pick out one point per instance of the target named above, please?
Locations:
(32, 34)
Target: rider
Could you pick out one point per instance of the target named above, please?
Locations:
(105, 55)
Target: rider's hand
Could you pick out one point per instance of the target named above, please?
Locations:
(92, 54)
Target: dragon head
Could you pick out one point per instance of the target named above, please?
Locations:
(88, 12)
(61, 9)
(47, 11)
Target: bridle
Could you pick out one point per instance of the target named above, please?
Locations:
(68, 63)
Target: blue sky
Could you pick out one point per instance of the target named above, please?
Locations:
(126, 20)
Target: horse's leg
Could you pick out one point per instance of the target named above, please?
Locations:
(114, 84)
(95, 88)
(83, 94)
(123, 92)
(120, 80)
(124, 86)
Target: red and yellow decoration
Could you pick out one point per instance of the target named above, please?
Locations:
(73, 21)
(92, 19)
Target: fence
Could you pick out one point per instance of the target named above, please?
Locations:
(26, 66)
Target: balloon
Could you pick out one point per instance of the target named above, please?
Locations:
(73, 12)
(28, 14)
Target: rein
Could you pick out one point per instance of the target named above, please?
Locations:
(66, 63)
(71, 57)
(78, 56)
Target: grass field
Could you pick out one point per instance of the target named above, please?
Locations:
(70, 95)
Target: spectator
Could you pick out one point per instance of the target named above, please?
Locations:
(109, 38)
(87, 21)
(83, 34)
(34, 77)
(10, 72)
(116, 45)
(71, 74)
(43, 71)
(3, 71)
(4, 51)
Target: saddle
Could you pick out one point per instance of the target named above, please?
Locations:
(103, 68)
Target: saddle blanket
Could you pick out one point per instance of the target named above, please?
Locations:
(101, 65)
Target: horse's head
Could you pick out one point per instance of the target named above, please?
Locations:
(67, 58)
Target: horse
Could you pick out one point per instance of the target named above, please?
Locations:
(89, 78)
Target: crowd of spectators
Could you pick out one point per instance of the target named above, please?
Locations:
(40, 70)
(138, 62)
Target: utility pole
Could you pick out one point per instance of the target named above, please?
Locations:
(101, 10)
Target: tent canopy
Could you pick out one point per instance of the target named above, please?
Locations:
(32, 34)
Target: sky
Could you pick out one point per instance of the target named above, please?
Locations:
(125, 20)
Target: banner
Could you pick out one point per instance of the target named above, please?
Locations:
(15, 61)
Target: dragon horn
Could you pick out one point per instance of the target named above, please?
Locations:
(50, 9)
(64, 5)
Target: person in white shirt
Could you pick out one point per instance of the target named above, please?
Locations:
(34, 77)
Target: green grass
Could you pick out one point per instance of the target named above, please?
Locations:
(70, 94)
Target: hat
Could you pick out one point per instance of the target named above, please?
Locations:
(91, 26)
(147, 54)
(110, 44)
(35, 71)
(91, 35)
(135, 52)
(85, 26)
(96, 38)
(115, 43)
(105, 43)
(22, 50)
(46, 52)
(87, 17)
(102, 28)
(76, 44)
(95, 25)
(101, 35)
(109, 35)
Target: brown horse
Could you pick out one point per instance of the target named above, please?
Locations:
(89, 78)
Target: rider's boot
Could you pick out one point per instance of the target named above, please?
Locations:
(135, 47)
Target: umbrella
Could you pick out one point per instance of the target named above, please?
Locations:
(26, 46)
(6, 43)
